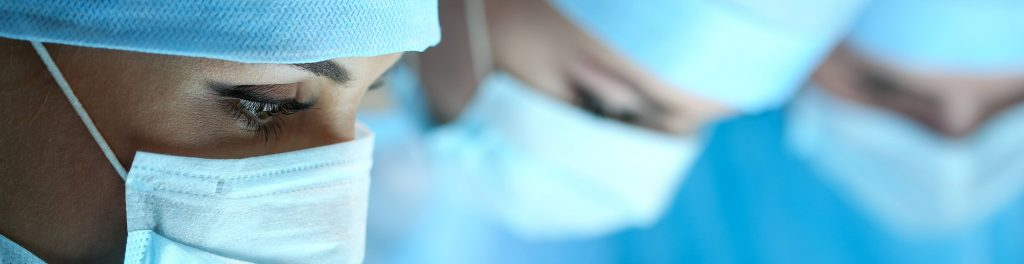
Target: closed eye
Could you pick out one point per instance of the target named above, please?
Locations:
(256, 107)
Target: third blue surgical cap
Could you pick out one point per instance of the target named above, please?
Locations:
(748, 54)
(250, 31)
(956, 35)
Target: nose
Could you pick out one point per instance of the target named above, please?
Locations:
(335, 128)
(332, 120)
(961, 117)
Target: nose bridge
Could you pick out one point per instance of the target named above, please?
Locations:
(336, 127)
(325, 124)
(333, 118)
(962, 113)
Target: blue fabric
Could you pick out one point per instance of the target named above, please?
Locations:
(749, 199)
(752, 200)
(251, 31)
(749, 55)
(977, 36)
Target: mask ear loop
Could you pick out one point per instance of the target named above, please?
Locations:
(84, 116)
(479, 40)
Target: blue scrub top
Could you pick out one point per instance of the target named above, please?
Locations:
(749, 199)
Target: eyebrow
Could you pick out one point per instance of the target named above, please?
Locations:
(326, 69)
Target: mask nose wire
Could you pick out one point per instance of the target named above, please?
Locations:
(79, 109)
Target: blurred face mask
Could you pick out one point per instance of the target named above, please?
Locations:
(296, 207)
(913, 181)
(549, 170)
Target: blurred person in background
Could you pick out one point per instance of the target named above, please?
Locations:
(905, 149)
(555, 124)
(192, 131)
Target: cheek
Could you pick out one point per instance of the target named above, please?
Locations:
(162, 109)
(183, 122)
(138, 102)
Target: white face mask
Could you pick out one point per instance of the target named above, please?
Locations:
(915, 182)
(296, 207)
(302, 206)
(549, 170)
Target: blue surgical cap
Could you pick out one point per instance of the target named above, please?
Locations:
(749, 54)
(977, 35)
(250, 31)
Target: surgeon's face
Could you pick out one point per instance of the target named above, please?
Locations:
(537, 44)
(211, 108)
(52, 168)
(953, 104)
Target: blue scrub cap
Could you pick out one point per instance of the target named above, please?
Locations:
(250, 31)
(749, 54)
(979, 35)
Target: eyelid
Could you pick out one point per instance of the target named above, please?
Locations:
(267, 93)
(248, 112)
(286, 107)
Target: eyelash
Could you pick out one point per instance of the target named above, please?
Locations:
(250, 113)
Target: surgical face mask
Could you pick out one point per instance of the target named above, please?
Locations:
(915, 182)
(548, 170)
(296, 207)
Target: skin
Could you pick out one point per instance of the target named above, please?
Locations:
(62, 200)
(953, 104)
(532, 41)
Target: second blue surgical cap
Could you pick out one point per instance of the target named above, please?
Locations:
(748, 54)
(946, 35)
(250, 31)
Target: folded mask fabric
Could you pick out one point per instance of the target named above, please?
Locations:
(255, 31)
